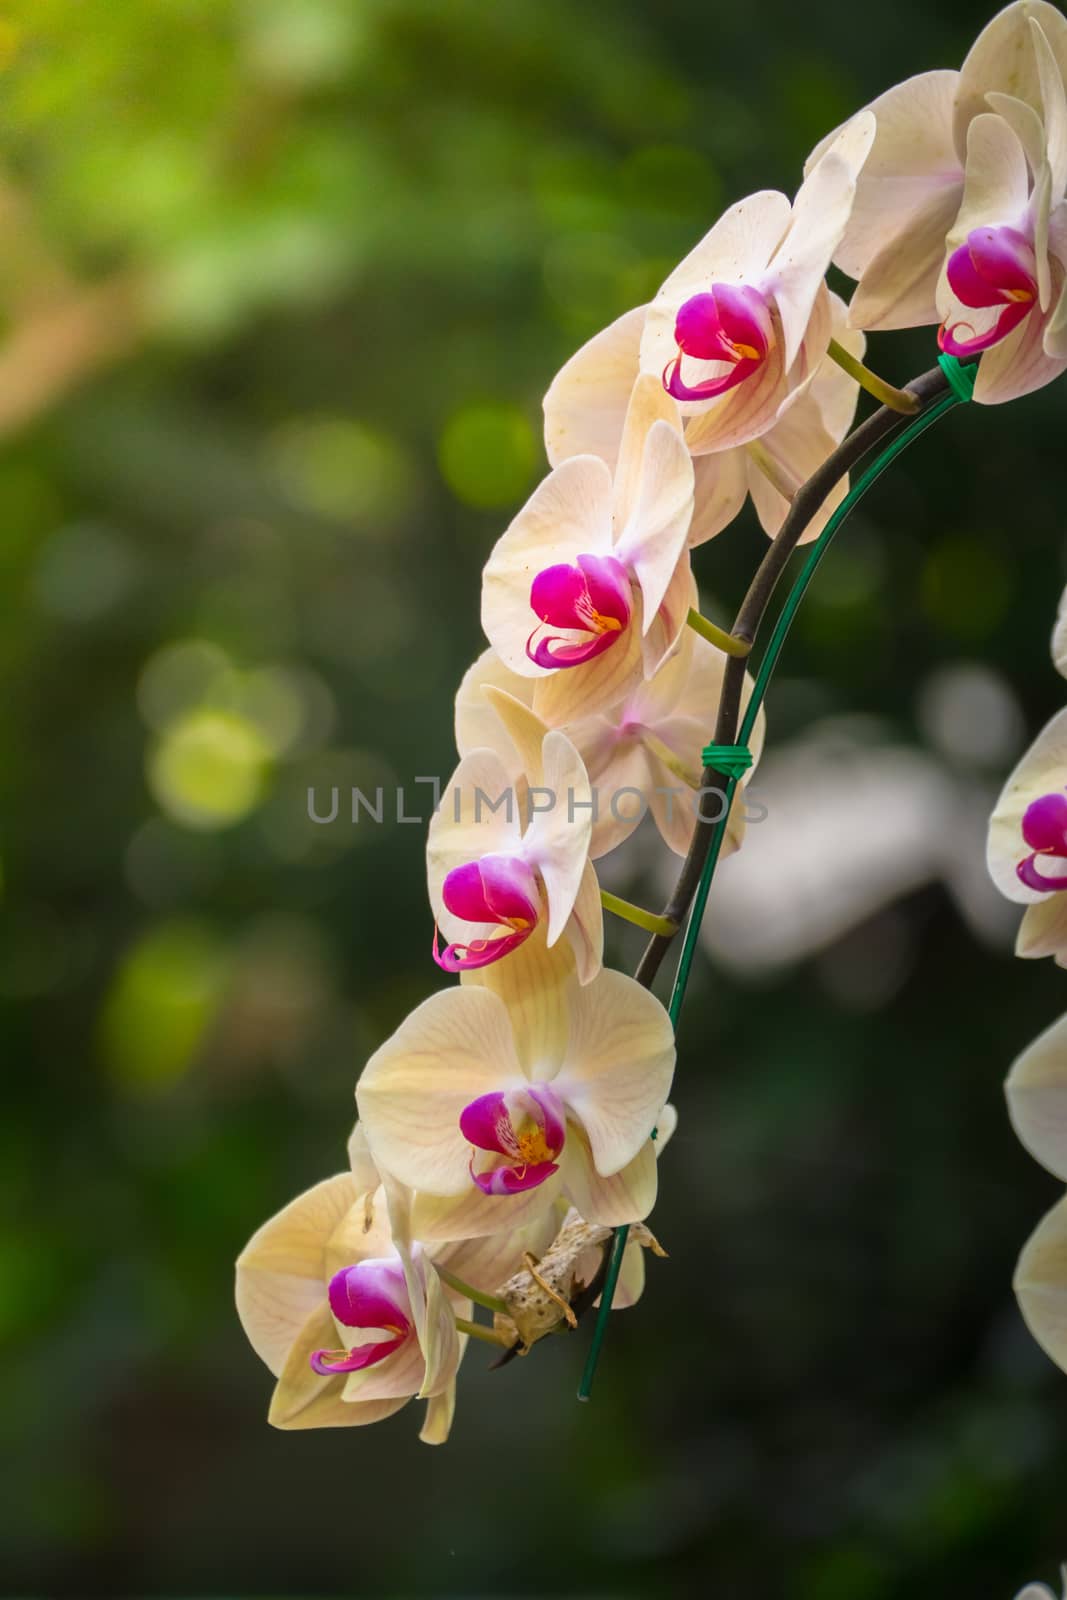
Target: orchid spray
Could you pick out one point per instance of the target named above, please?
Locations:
(505, 1160)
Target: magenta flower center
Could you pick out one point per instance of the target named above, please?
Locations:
(497, 888)
(371, 1299)
(591, 600)
(1044, 829)
(524, 1130)
(993, 270)
(728, 326)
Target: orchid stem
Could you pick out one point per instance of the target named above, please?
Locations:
(491, 1302)
(655, 746)
(638, 915)
(486, 1335)
(717, 636)
(885, 393)
(775, 474)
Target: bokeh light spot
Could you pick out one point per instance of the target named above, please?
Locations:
(487, 455)
(209, 770)
(164, 996)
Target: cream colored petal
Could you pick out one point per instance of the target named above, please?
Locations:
(631, 1284)
(568, 515)
(533, 984)
(667, 630)
(556, 842)
(1025, 123)
(365, 1174)
(671, 801)
(1059, 637)
(1041, 1284)
(798, 444)
(1037, 1098)
(1042, 769)
(996, 187)
(911, 162)
(524, 729)
(585, 406)
(658, 695)
(898, 288)
(719, 490)
(475, 1215)
(622, 797)
(627, 1196)
(649, 403)
(1002, 60)
(478, 725)
(1054, 336)
(281, 1272)
(569, 693)
(618, 1068)
(820, 215)
(398, 1377)
(832, 391)
(480, 814)
(652, 543)
(305, 1399)
(487, 1262)
(1019, 364)
(666, 1128)
(440, 1410)
(454, 1047)
(585, 927)
(736, 250)
(1043, 930)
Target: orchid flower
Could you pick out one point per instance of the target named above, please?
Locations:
(1005, 266)
(347, 1309)
(1027, 847)
(740, 328)
(495, 1108)
(910, 190)
(585, 408)
(492, 880)
(590, 586)
(642, 754)
(351, 1327)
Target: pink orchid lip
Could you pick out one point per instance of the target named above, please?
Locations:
(371, 1295)
(526, 1127)
(726, 324)
(592, 597)
(1044, 829)
(993, 267)
(496, 888)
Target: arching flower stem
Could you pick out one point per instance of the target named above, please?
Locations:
(491, 1302)
(638, 915)
(718, 636)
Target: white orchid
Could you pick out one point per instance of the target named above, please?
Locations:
(590, 586)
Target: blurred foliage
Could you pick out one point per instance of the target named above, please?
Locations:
(282, 282)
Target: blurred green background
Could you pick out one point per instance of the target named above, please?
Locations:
(282, 284)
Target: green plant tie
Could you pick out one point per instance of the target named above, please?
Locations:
(732, 760)
(961, 380)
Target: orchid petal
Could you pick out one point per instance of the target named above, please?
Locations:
(585, 927)
(281, 1271)
(474, 1215)
(523, 728)
(820, 215)
(626, 1196)
(568, 515)
(477, 724)
(618, 1068)
(1043, 930)
(669, 624)
(440, 1410)
(565, 695)
(1040, 1284)
(649, 403)
(1002, 60)
(1042, 770)
(719, 489)
(533, 985)
(653, 540)
(587, 400)
(454, 1047)
(1037, 1098)
(304, 1399)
